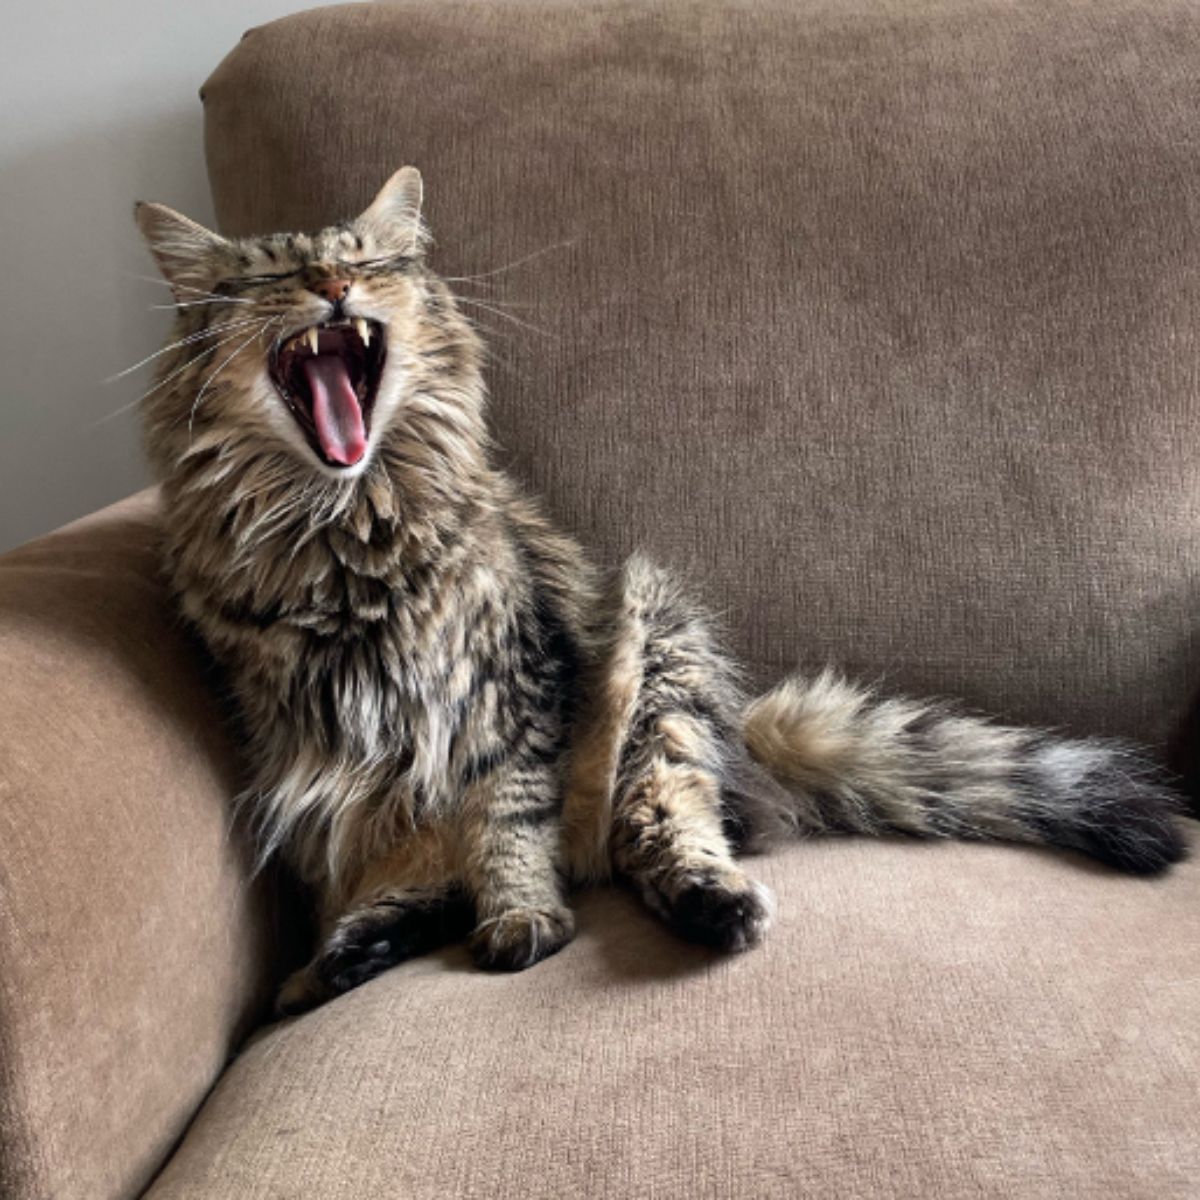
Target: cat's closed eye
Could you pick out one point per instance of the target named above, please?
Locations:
(396, 262)
(246, 281)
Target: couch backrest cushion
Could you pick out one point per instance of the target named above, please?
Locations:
(881, 321)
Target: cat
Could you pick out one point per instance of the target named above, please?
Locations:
(451, 717)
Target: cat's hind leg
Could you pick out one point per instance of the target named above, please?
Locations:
(682, 783)
(668, 840)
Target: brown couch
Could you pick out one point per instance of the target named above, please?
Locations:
(882, 321)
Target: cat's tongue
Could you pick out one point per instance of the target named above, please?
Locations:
(335, 409)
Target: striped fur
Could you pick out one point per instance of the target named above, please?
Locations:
(856, 763)
(449, 716)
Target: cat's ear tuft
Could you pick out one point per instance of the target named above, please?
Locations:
(183, 249)
(395, 213)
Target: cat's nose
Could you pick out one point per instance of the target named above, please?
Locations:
(332, 290)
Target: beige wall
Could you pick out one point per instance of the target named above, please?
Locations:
(100, 108)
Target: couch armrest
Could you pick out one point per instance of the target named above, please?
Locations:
(134, 949)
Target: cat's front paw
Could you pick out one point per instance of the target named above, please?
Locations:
(728, 911)
(520, 937)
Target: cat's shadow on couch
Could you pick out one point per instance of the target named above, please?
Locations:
(630, 942)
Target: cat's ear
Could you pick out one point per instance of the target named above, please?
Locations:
(184, 250)
(394, 216)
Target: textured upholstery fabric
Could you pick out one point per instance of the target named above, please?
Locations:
(133, 956)
(925, 1021)
(880, 319)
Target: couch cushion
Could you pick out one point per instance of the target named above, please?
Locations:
(924, 1020)
(882, 320)
(135, 952)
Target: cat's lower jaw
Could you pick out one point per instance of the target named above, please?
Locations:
(520, 937)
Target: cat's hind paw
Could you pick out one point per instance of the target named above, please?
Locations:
(728, 912)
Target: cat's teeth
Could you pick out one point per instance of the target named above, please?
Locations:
(363, 332)
(312, 338)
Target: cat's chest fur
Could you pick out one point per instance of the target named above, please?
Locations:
(367, 656)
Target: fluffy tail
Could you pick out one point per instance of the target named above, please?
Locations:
(851, 762)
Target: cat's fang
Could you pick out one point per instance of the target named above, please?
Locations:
(363, 332)
(312, 338)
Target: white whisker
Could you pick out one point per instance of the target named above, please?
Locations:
(197, 303)
(224, 363)
(500, 302)
(499, 312)
(164, 381)
(512, 266)
(210, 331)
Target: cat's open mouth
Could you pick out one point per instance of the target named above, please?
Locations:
(328, 376)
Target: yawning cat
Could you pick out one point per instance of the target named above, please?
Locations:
(450, 716)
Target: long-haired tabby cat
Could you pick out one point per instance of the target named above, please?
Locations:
(450, 716)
